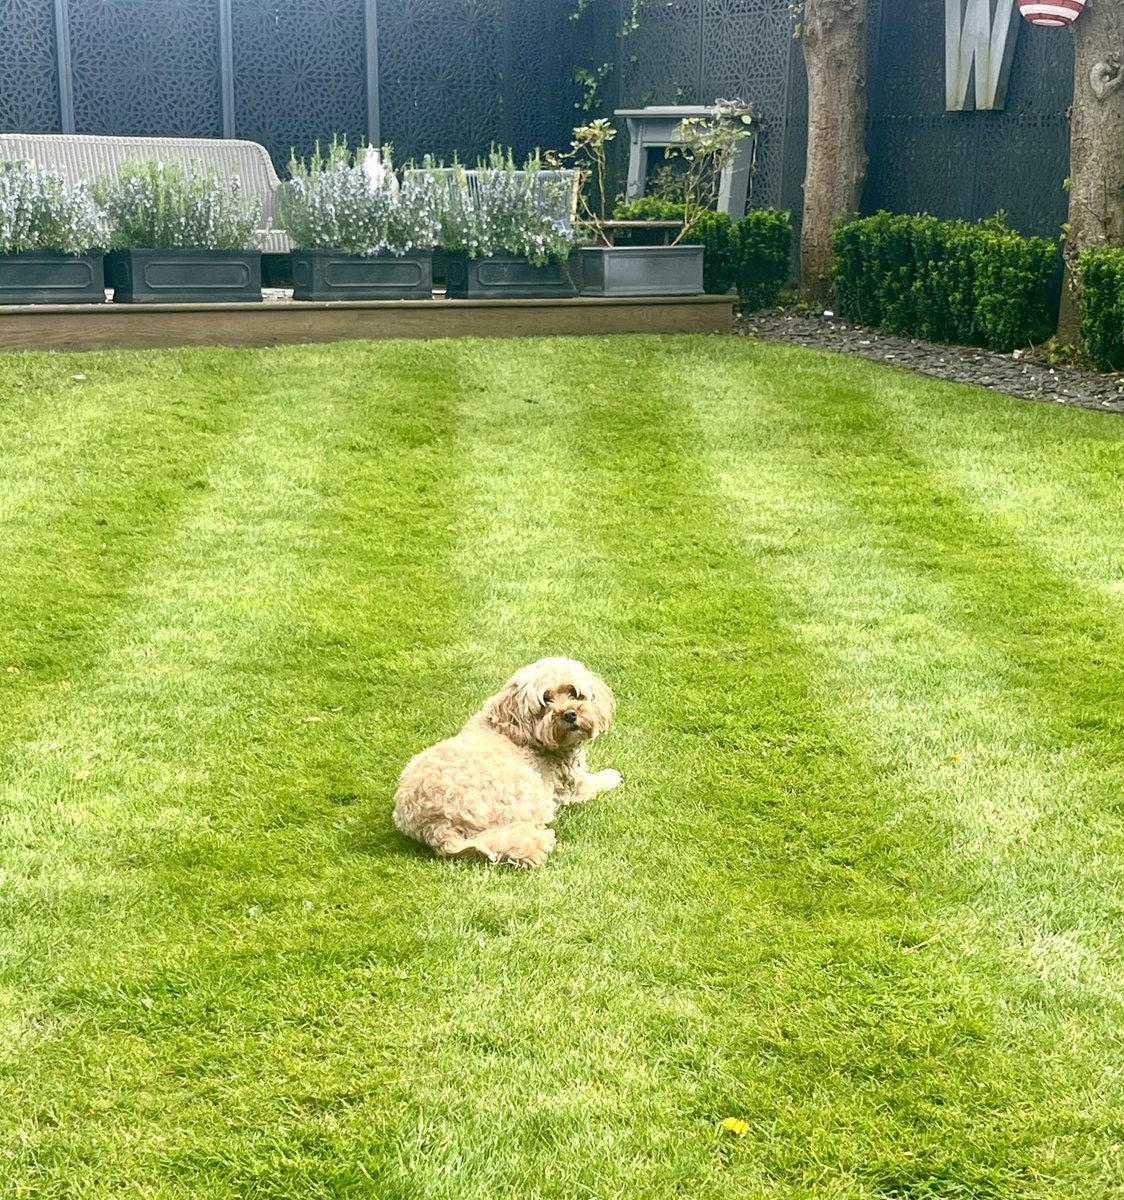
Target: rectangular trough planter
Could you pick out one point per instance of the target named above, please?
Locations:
(507, 277)
(641, 270)
(184, 276)
(331, 275)
(52, 277)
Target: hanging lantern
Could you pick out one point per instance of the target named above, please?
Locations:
(1055, 14)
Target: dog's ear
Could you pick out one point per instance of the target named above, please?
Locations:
(509, 711)
(603, 703)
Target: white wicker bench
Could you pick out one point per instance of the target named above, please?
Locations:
(88, 156)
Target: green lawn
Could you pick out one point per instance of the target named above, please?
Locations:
(863, 886)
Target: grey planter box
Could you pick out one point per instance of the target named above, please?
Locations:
(507, 277)
(184, 276)
(330, 275)
(641, 270)
(52, 277)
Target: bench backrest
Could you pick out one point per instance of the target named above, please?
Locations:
(89, 156)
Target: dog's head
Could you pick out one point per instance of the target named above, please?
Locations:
(553, 704)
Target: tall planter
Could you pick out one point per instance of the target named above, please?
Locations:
(52, 277)
(507, 277)
(184, 276)
(641, 270)
(332, 275)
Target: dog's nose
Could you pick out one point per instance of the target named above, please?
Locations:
(570, 717)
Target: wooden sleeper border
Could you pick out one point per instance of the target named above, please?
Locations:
(152, 326)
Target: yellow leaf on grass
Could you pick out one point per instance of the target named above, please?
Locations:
(736, 1125)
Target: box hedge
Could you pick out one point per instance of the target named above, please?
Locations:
(979, 284)
(1102, 305)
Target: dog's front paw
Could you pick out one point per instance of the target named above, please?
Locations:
(604, 780)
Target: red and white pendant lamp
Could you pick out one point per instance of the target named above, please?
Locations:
(1055, 14)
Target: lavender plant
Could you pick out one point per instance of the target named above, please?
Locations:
(158, 205)
(356, 203)
(39, 210)
(501, 208)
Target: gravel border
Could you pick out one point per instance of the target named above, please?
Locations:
(1018, 374)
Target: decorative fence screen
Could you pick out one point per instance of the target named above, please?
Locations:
(695, 51)
(451, 77)
(966, 164)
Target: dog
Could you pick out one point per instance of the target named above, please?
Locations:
(494, 789)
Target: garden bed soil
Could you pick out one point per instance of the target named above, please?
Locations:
(1024, 375)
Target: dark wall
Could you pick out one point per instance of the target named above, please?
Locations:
(454, 76)
(457, 75)
(695, 51)
(29, 94)
(922, 158)
(966, 164)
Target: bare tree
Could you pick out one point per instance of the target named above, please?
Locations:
(833, 37)
(1096, 148)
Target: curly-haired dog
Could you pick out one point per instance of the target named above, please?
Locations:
(495, 787)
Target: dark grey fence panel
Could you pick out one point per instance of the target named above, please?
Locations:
(541, 55)
(146, 67)
(441, 75)
(456, 76)
(29, 90)
(299, 73)
(695, 51)
(453, 76)
(966, 164)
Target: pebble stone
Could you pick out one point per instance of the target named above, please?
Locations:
(1021, 374)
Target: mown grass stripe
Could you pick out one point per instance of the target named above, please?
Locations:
(1053, 480)
(307, 581)
(95, 480)
(828, 851)
(917, 657)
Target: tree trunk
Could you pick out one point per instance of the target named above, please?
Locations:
(1096, 148)
(833, 37)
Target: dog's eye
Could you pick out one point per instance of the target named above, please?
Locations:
(547, 697)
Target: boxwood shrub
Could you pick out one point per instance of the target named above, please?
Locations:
(1102, 305)
(751, 254)
(979, 284)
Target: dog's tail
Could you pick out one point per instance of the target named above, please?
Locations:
(520, 845)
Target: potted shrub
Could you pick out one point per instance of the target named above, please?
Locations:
(705, 145)
(49, 232)
(507, 231)
(180, 235)
(360, 233)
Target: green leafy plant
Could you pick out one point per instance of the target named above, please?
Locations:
(499, 207)
(763, 254)
(703, 148)
(159, 205)
(648, 208)
(950, 281)
(1101, 272)
(39, 210)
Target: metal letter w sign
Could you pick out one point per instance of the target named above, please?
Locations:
(979, 40)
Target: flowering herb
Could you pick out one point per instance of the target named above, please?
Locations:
(501, 208)
(165, 206)
(356, 204)
(39, 210)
